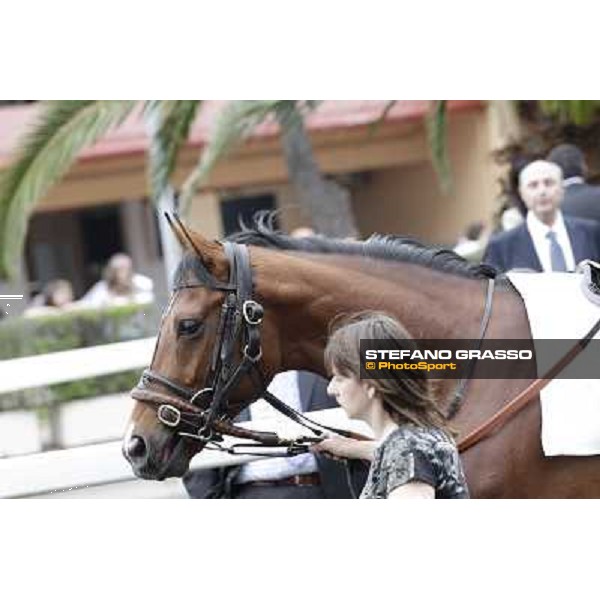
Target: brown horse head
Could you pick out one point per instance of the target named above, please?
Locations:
(209, 331)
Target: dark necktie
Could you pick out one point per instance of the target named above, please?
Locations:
(557, 257)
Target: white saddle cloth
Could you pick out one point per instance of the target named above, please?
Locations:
(557, 309)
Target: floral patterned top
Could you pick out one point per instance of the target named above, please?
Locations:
(413, 453)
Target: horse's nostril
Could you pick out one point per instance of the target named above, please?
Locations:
(136, 447)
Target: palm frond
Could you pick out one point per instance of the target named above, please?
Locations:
(236, 121)
(64, 129)
(171, 121)
(437, 136)
(578, 112)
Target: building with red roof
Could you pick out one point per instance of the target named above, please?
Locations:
(101, 206)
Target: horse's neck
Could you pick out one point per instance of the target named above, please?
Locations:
(306, 292)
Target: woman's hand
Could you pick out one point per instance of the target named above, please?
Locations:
(338, 447)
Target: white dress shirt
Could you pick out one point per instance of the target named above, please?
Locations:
(285, 387)
(99, 295)
(541, 243)
(572, 181)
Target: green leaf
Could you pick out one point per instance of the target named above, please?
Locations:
(63, 130)
(437, 136)
(171, 122)
(578, 112)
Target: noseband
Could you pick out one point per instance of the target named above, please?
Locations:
(203, 414)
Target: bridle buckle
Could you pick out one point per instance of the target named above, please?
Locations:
(200, 393)
(169, 415)
(253, 312)
(253, 359)
(204, 434)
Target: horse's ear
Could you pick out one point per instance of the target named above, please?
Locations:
(177, 232)
(212, 255)
(209, 252)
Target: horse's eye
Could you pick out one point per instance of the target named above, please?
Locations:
(188, 327)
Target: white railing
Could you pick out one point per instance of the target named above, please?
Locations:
(70, 365)
(60, 367)
(102, 465)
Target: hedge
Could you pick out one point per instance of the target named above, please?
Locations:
(28, 336)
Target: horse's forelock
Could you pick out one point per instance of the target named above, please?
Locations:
(191, 271)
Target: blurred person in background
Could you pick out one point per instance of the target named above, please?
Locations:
(546, 241)
(471, 244)
(581, 199)
(515, 210)
(56, 296)
(119, 285)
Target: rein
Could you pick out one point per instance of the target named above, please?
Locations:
(523, 398)
(530, 392)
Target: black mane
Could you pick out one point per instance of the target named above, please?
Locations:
(388, 247)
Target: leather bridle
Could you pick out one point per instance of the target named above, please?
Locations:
(203, 414)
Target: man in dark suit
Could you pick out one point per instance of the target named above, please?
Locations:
(580, 198)
(304, 476)
(547, 241)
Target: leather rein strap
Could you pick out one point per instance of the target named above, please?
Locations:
(528, 394)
